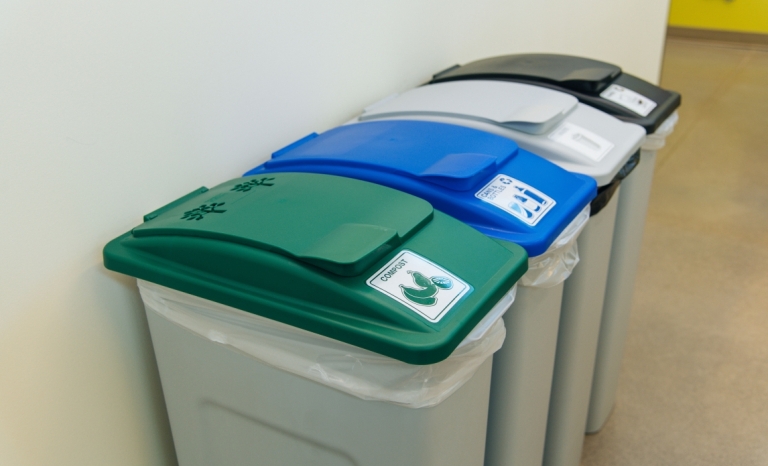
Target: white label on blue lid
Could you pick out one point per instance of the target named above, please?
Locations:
(629, 99)
(581, 140)
(517, 198)
(420, 285)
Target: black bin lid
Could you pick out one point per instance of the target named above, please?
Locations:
(595, 83)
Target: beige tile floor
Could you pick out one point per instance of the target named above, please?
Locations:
(694, 382)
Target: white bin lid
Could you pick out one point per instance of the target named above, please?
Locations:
(548, 123)
(530, 109)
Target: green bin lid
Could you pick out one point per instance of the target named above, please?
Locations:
(347, 259)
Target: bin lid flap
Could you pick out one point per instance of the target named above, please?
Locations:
(342, 232)
(450, 156)
(522, 107)
(576, 73)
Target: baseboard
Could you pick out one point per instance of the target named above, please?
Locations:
(714, 35)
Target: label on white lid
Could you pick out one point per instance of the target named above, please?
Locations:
(419, 284)
(517, 198)
(629, 99)
(581, 140)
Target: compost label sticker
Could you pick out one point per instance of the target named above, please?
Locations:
(419, 284)
(517, 198)
(581, 140)
(629, 99)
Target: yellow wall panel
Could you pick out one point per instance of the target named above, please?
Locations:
(734, 15)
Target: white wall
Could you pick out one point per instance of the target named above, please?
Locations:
(110, 109)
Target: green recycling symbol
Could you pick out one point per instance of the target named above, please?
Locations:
(428, 288)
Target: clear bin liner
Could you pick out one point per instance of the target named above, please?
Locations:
(345, 367)
(657, 139)
(556, 264)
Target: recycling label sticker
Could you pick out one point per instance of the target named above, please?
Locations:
(582, 141)
(419, 284)
(629, 99)
(517, 198)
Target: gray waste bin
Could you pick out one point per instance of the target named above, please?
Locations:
(312, 319)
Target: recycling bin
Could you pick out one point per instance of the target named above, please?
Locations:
(313, 319)
(580, 139)
(605, 87)
(502, 191)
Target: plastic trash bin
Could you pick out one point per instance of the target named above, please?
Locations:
(502, 191)
(606, 87)
(581, 139)
(312, 319)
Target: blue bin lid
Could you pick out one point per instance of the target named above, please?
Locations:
(482, 179)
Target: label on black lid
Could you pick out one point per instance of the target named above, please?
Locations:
(517, 198)
(629, 99)
(419, 284)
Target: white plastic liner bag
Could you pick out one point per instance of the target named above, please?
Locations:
(657, 139)
(558, 261)
(339, 365)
